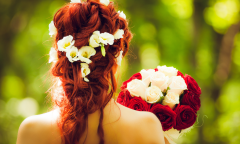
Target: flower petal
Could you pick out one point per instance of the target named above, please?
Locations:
(119, 34)
(53, 55)
(85, 53)
(75, 1)
(65, 43)
(121, 14)
(52, 29)
(72, 54)
(105, 2)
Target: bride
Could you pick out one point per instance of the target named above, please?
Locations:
(90, 39)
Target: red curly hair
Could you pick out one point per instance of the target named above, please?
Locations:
(79, 98)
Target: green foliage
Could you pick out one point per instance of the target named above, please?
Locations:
(185, 34)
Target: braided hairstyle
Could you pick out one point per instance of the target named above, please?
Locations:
(79, 98)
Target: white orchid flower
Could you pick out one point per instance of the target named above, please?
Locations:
(53, 55)
(121, 14)
(75, 1)
(106, 38)
(66, 43)
(119, 34)
(105, 2)
(72, 54)
(119, 58)
(85, 71)
(52, 29)
(85, 53)
(94, 40)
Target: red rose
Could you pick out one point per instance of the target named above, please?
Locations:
(192, 100)
(180, 74)
(124, 97)
(186, 117)
(192, 85)
(137, 103)
(135, 76)
(165, 114)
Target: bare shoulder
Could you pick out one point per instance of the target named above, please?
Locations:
(39, 129)
(145, 126)
(149, 128)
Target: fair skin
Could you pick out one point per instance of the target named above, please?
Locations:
(121, 125)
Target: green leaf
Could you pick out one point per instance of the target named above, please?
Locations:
(103, 50)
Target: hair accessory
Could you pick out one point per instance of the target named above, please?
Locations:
(52, 29)
(75, 1)
(85, 71)
(53, 55)
(66, 44)
(105, 2)
(121, 14)
(100, 39)
(119, 58)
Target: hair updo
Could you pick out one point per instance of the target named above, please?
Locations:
(80, 98)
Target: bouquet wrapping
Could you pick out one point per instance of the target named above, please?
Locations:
(173, 97)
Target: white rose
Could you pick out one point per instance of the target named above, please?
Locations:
(53, 55)
(119, 58)
(119, 34)
(72, 54)
(106, 38)
(75, 1)
(85, 53)
(85, 71)
(94, 40)
(52, 29)
(177, 85)
(171, 135)
(171, 99)
(168, 71)
(105, 2)
(137, 88)
(160, 80)
(66, 43)
(121, 14)
(153, 94)
(146, 75)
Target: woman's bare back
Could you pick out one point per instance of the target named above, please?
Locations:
(121, 125)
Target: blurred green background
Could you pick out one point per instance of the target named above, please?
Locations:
(198, 37)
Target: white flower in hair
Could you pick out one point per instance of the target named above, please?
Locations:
(94, 40)
(119, 34)
(85, 53)
(105, 2)
(106, 38)
(85, 71)
(66, 43)
(121, 14)
(52, 29)
(53, 55)
(75, 1)
(119, 58)
(72, 54)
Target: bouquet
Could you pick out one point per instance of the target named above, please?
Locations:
(173, 97)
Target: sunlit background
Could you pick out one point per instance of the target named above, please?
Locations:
(198, 37)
